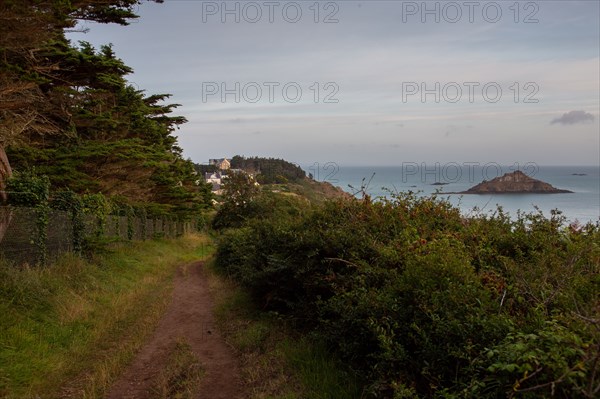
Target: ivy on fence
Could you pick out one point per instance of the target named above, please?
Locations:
(87, 215)
(73, 204)
(29, 190)
(100, 208)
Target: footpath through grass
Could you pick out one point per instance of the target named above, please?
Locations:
(68, 330)
(277, 362)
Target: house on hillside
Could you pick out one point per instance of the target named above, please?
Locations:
(221, 163)
(215, 179)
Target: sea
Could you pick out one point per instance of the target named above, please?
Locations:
(582, 206)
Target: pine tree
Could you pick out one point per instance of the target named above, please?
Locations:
(32, 96)
(70, 112)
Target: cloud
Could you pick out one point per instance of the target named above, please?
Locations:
(573, 117)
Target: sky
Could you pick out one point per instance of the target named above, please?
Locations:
(372, 82)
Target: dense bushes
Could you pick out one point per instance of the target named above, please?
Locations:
(243, 201)
(426, 303)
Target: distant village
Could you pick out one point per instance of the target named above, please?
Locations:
(223, 170)
(266, 171)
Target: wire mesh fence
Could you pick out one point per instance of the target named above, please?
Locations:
(22, 241)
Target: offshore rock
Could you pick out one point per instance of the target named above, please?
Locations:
(514, 183)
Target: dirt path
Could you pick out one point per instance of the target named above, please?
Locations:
(188, 318)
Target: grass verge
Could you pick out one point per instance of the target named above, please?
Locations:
(69, 329)
(276, 362)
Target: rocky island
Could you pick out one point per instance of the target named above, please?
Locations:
(514, 183)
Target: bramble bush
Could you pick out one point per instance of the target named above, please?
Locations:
(426, 303)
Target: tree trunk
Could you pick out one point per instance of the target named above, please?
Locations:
(5, 174)
(5, 212)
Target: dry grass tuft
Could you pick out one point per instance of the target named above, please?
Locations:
(181, 376)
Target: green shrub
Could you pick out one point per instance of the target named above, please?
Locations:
(427, 303)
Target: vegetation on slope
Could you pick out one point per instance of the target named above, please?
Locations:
(269, 170)
(425, 303)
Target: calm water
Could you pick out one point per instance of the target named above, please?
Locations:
(582, 205)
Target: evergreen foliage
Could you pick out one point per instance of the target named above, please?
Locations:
(68, 111)
(269, 170)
